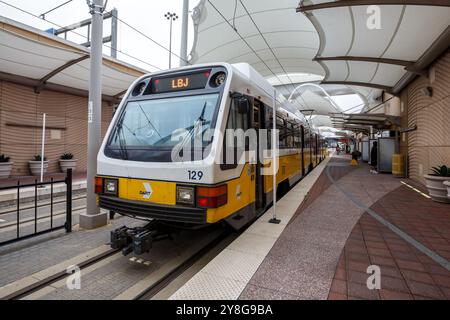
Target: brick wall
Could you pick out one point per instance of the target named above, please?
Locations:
(429, 145)
(21, 112)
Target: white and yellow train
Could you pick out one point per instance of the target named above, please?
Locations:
(138, 177)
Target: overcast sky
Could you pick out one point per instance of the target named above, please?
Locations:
(146, 16)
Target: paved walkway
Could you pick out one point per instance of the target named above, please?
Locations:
(325, 250)
(406, 271)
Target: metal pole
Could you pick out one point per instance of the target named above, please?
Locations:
(43, 147)
(93, 218)
(114, 16)
(184, 33)
(274, 159)
(170, 46)
(69, 201)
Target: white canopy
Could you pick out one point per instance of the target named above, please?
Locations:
(378, 43)
(329, 44)
(33, 57)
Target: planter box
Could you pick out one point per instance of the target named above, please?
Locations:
(67, 164)
(447, 184)
(35, 167)
(436, 188)
(5, 169)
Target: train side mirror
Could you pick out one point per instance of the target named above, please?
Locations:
(243, 106)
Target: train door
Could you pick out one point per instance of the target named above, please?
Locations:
(258, 122)
(302, 137)
(316, 149)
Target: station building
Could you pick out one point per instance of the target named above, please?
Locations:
(41, 73)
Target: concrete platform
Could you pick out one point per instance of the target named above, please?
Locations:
(335, 224)
(228, 274)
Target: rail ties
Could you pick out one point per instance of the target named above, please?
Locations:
(23, 292)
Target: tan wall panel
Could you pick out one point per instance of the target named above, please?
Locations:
(80, 153)
(20, 105)
(76, 132)
(52, 103)
(14, 134)
(18, 98)
(429, 145)
(77, 107)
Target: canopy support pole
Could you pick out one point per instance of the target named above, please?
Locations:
(93, 218)
(274, 160)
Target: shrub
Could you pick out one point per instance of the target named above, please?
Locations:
(441, 171)
(38, 157)
(67, 156)
(4, 158)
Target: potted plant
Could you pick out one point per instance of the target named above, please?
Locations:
(435, 183)
(35, 165)
(66, 161)
(5, 167)
(447, 184)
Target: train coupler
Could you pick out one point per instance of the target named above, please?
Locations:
(138, 240)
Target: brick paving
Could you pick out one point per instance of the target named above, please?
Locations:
(302, 262)
(327, 247)
(406, 273)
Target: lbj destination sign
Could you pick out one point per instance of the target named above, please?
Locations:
(191, 81)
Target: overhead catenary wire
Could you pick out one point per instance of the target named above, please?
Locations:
(78, 34)
(275, 56)
(248, 45)
(149, 38)
(271, 50)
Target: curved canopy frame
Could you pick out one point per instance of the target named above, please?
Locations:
(353, 50)
(31, 57)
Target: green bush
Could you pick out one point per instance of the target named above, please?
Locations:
(67, 156)
(38, 157)
(441, 171)
(4, 158)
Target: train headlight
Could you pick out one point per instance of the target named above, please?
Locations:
(110, 186)
(218, 79)
(185, 195)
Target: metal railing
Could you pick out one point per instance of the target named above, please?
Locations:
(68, 223)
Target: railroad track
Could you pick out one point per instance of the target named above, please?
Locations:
(159, 283)
(145, 289)
(38, 285)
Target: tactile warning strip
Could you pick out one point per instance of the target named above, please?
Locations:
(226, 276)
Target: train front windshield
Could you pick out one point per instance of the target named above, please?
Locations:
(148, 130)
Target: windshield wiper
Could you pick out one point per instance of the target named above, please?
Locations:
(122, 143)
(200, 120)
(148, 120)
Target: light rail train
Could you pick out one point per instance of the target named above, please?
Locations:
(138, 175)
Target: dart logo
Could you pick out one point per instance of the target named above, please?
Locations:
(148, 191)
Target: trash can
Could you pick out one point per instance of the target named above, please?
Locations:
(398, 168)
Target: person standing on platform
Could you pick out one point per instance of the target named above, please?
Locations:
(374, 158)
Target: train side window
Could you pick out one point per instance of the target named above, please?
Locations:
(282, 132)
(297, 136)
(236, 120)
(290, 134)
